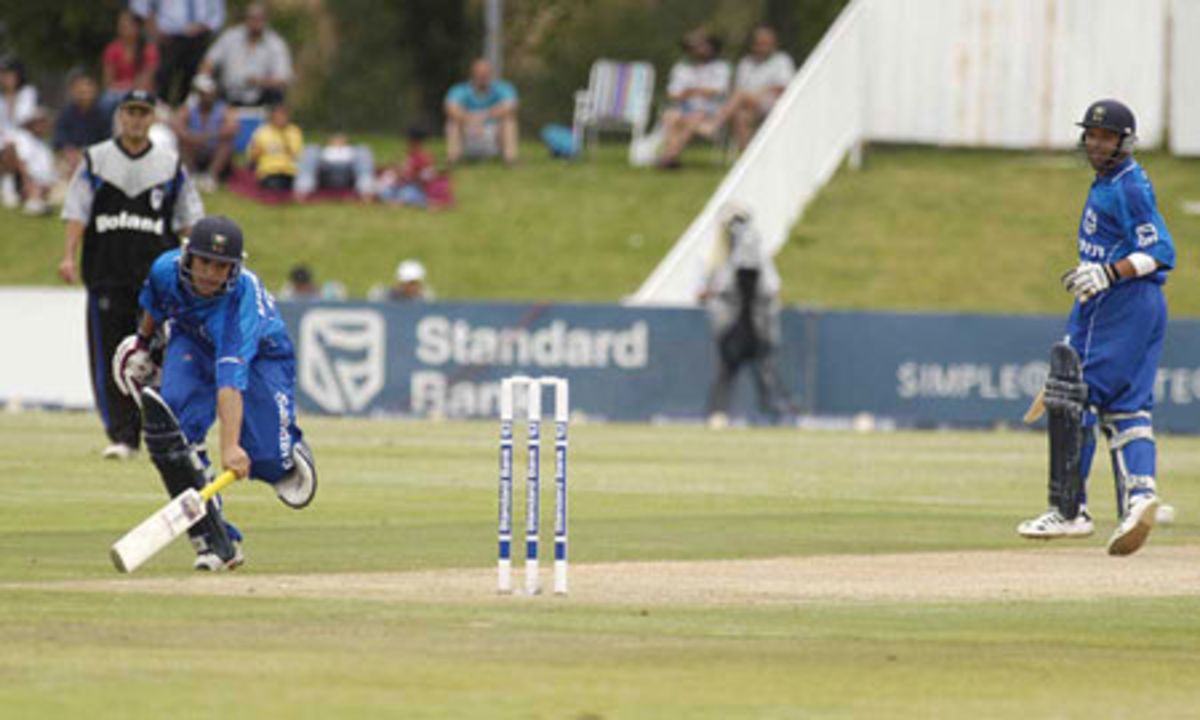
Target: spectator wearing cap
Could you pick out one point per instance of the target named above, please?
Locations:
(481, 117)
(182, 29)
(410, 285)
(129, 201)
(696, 90)
(28, 157)
(275, 149)
(129, 62)
(251, 62)
(81, 122)
(205, 127)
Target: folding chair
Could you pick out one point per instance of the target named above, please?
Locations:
(618, 97)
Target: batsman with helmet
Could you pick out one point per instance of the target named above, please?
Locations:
(1103, 374)
(228, 357)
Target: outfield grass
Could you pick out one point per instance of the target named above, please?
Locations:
(401, 496)
(917, 228)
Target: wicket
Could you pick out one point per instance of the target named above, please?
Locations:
(509, 387)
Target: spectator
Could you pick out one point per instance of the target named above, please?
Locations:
(481, 117)
(29, 158)
(18, 100)
(410, 285)
(696, 91)
(130, 61)
(82, 122)
(415, 182)
(251, 61)
(17, 97)
(205, 127)
(337, 165)
(302, 286)
(182, 29)
(761, 78)
(741, 295)
(275, 148)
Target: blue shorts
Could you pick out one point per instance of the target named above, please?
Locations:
(268, 404)
(1119, 338)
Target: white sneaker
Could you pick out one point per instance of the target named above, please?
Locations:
(119, 451)
(9, 197)
(298, 487)
(205, 183)
(1051, 525)
(209, 561)
(718, 421)
(1135, 527)
(36, 207)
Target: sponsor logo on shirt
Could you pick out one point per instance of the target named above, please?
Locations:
(1089, 221)
(129, 221)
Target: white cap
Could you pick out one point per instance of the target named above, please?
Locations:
(410, 271)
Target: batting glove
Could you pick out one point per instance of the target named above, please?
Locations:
(1089, 280)
(132, 366)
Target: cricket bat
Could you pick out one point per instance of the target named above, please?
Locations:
(173, 520)
(1037, 408)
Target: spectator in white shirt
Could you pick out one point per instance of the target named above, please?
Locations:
(696, 90)
(250, 62)
(761, 78)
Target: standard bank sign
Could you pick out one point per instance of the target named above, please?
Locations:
(342, 358)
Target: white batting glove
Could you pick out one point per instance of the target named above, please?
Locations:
(1088, 280)
(132, 367)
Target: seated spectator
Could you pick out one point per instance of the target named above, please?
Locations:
(761, 78)
(251, 62)
(481, 117)
(17, 97)
(205, 127)
(337, 165)
(302, 286)
(29, 158)
(410, 285)
(696, 91)
(275, 149)
(129, 61)
(81, 123)
(18, 100)
(415, 182)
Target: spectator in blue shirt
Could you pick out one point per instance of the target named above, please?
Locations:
(481, 117)
(182, 29)
(82, 121)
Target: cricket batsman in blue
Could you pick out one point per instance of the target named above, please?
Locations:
(227, 357)
(1103, 374)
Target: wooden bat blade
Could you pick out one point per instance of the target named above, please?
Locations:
(172, 520)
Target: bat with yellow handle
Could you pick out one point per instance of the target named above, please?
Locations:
(1037, 408)
(173, 520)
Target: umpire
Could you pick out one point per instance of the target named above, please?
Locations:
(128, 203)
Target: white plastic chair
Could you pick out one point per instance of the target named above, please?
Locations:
(617, 98)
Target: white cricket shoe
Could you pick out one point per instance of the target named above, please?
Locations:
(209, 561)
(298, 487)
(1135, 527)
(1051, 525)
(119, 451)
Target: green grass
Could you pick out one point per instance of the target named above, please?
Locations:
(591, 230)
(406, 495)
(917, 228)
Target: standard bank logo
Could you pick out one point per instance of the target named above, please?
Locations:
(342, 357)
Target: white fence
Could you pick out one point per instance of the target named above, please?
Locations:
(1185, 77)
(815, 123)
(45, 358)
(990, 73)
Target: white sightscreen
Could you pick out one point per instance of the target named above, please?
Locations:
(1011, 73)
(1185, 77)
